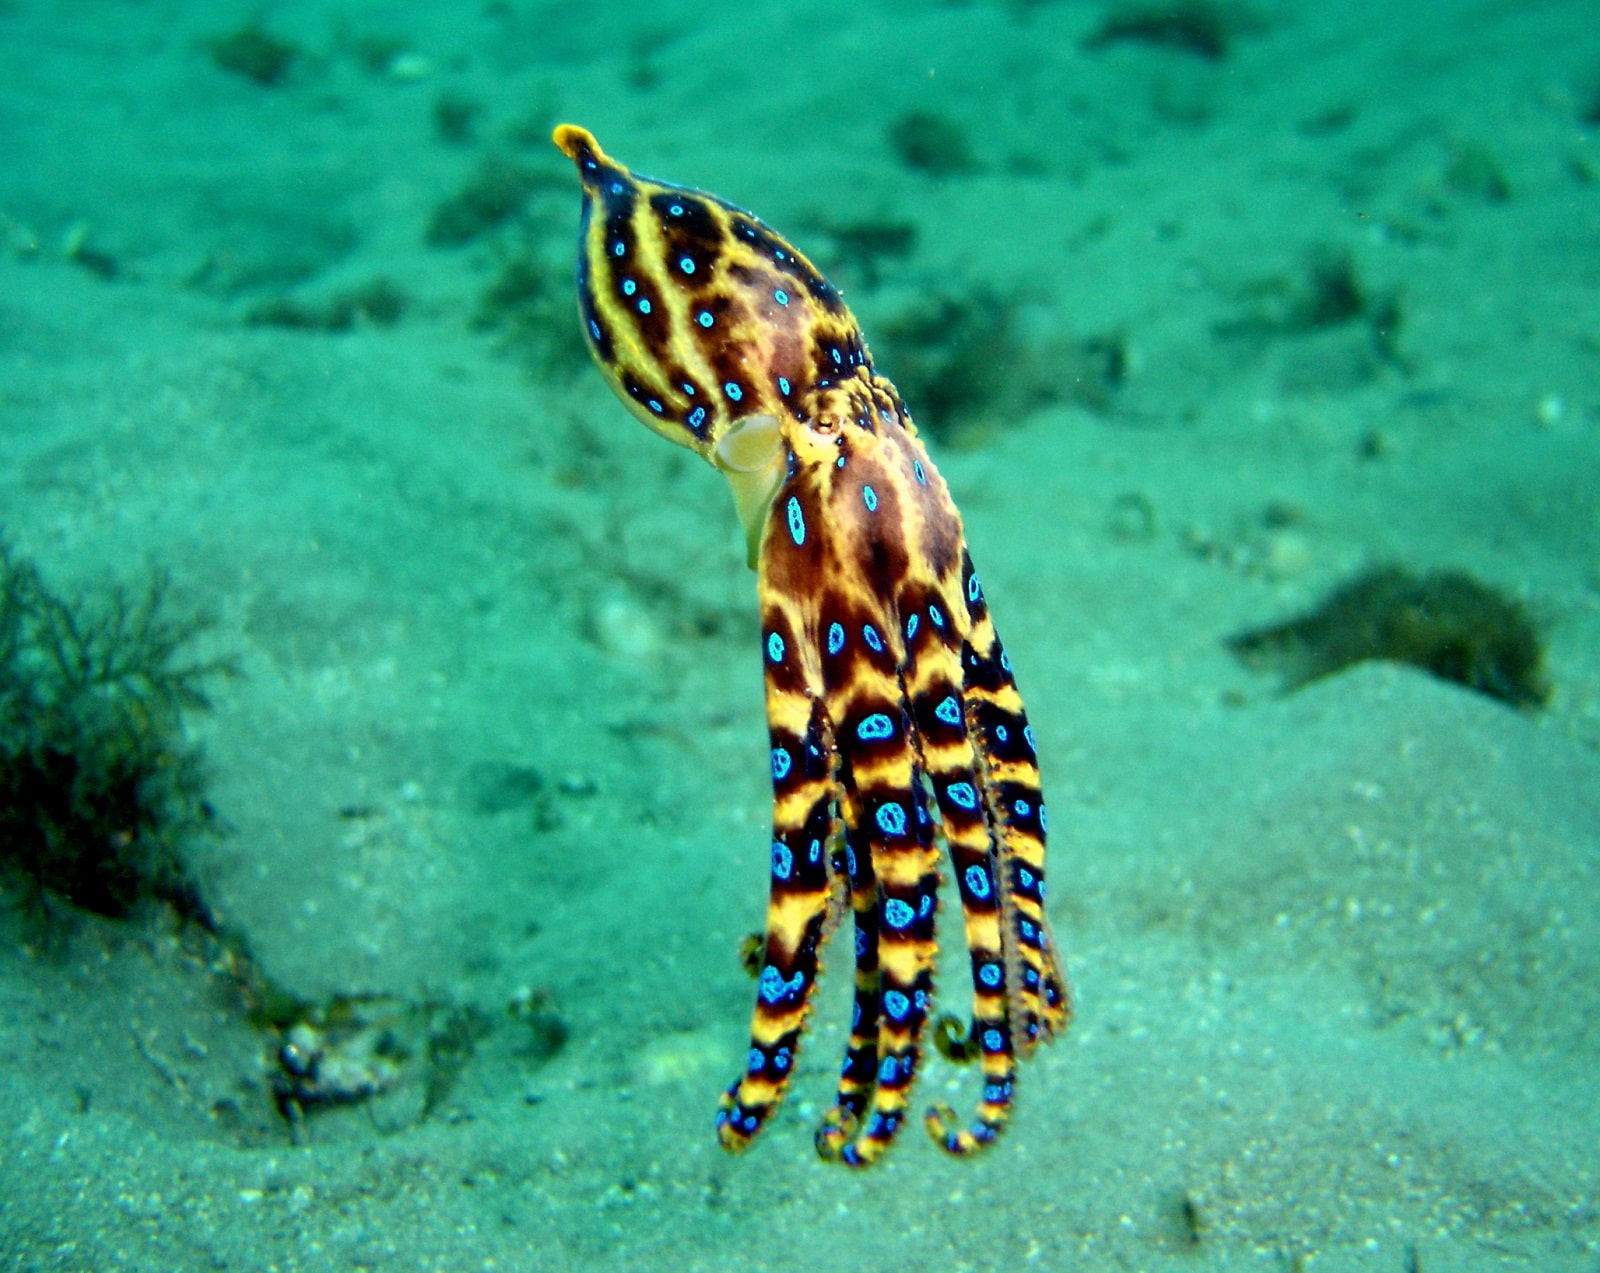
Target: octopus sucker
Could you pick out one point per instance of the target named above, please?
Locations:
(898, 737)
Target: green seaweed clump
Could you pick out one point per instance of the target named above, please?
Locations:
(99, 789)
(1444, 622)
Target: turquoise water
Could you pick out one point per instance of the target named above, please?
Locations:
(1201, 310)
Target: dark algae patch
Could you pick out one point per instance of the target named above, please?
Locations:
(493, 195)
(1444, 622)
(1197, 27)
(930, 143)
(255, 54)
(99, 789)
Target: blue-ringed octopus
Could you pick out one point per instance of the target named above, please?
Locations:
(895, 723)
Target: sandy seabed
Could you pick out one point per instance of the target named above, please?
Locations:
(1249, 318)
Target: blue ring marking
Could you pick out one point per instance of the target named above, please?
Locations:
(1027, 732)
(781, 1059)
(977, 881)
(644, 305)
(911, 625)
(594, 330)
(686, 265)
(961, 793)
(835, 638)
(705, 318)
(869, 497)
(889, 1070)
(781, 296)
(1001, 733)
(896, 1005)
(838, 358)
(655, 406)
(996, 1093)
(921, 473)
(1025, 877)
(992, 1042)
(619, 248)
(676, 209)
(697, 417)
(861, 943)
(870, 634)
(1030, 978)
(784, 386)
(814, 853)
(629, 287)
(780, 254)
(688, 388)
(937, 615)
(780, 764)
(617, 187)
(782, 860)
(925, 906)
(1028, 931)
(775, 647)
(920, 998)
(1005, 660)
(949, 711)
(989, 974)
(850, 861)
(774, 987)
(756, 1062)
(797, 520)
(1021, 808)
(897, 914)
(1044, 821)
(891, 819)
(839, 463)
(974, 588)
(875, 727)
(733, 390)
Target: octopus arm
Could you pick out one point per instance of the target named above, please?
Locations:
(892, 862)
(806, 891)
(1041, 1002)
(956, 773)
